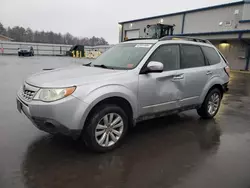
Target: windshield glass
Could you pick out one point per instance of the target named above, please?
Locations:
(153, 32)
(24, 48)
(123, 56)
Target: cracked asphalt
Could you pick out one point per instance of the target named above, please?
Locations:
(178, 151)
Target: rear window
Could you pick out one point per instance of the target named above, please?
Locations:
(211, 55)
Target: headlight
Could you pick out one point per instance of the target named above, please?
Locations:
(49, 95)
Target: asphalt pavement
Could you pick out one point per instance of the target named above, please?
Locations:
(178, 151)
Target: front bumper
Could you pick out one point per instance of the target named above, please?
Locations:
(24, 52)
(62, 116)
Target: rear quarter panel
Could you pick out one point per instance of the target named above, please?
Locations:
(219, 77)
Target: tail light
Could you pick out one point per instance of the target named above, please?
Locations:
(227, 70)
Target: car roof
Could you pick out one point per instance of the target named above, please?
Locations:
(172, 39)
(153, 41)
(186, 42)
(144, 41)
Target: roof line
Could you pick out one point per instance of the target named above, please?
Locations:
(189, 11)
(6, 37)
(214, 33)
(244, 21)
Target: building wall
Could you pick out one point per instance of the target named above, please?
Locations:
(209, 20)
(246, 13)
(244, 26)
(234, 52)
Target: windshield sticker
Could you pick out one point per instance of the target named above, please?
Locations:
(143, 45)
(130, 65)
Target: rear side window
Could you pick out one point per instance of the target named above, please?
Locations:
(191, 56)
(211, 55)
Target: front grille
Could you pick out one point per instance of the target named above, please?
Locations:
(28, 92)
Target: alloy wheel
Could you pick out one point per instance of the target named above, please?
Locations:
(109, 129)
(213, 103)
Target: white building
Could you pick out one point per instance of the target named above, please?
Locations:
(227, 26)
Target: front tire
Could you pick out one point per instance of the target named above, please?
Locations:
(106, 128)
(211, 104)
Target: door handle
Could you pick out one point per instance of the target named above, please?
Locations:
(178, 77)
(209, 72)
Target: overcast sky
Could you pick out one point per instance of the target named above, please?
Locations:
(88, 17)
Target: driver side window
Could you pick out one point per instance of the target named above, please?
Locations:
(168, 55)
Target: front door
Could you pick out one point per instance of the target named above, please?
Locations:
(160, 92)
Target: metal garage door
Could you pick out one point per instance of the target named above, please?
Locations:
(132, 34)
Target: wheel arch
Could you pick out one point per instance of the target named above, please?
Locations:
(218, 86)
(117, 100)
(211, 87)
(120, 96)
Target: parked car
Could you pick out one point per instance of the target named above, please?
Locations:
(133, 81)
(29, 51)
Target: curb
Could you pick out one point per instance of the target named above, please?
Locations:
(241, 71)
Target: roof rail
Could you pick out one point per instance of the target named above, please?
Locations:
(185, 38)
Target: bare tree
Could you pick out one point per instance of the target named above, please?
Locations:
(27, 35)
(2, 29)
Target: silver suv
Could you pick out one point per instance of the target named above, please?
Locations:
(133, 81)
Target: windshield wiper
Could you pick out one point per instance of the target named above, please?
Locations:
(103, 66)
(87, 64)
(48, 69)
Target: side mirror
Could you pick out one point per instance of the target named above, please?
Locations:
(154, 66)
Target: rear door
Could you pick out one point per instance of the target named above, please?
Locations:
(195, 71)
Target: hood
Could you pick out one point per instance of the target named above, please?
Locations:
(71, 76)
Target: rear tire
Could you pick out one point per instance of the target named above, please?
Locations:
(106, 128)
(211, 104)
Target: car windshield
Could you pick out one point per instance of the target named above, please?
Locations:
(122, 56)
(25, 48)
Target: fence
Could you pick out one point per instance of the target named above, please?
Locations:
(94, 52)
(11, 48)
